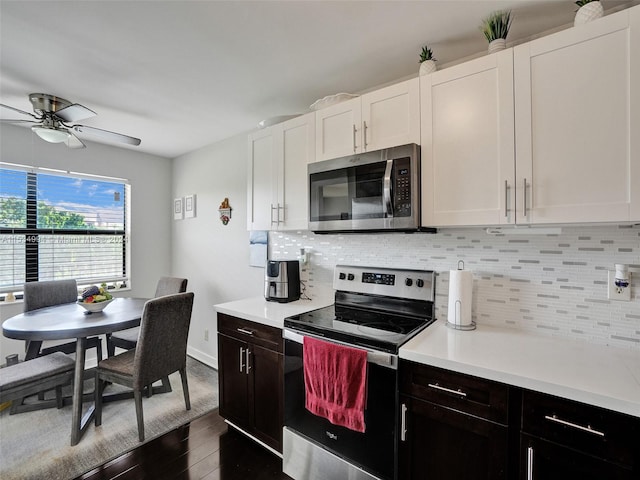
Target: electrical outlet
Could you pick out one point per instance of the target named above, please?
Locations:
(616, 293)
(206, 334)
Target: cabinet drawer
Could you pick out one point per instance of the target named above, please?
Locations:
(253, 332)
(475, 396)
(608, 435)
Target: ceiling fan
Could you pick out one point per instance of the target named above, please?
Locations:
(53, 120)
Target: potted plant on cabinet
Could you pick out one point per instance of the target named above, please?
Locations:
(496, 28)
(588, 10)
(427, 61)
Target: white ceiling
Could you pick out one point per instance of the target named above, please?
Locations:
(184, 74)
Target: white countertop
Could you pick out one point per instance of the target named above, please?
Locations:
(257, 309)
(604, 376)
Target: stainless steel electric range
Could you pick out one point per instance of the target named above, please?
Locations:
(376, 310)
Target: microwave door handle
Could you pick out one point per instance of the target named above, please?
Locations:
(386, 193)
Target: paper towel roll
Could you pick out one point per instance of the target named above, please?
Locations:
(460, 292)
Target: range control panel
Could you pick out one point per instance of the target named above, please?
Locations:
(411, 284)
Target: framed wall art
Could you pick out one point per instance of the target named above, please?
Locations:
(177, 208)
(189, 206)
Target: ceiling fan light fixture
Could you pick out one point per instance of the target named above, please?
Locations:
(50, 134)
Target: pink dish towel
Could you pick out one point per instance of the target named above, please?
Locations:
(335, 382)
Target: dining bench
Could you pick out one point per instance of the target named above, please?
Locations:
(33, 376)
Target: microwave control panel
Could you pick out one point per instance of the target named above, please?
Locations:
(402, 187)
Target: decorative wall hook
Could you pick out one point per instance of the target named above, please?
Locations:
(225, 211)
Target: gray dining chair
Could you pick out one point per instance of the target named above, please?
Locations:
(127, 339)
(47, 294)
(160, 351)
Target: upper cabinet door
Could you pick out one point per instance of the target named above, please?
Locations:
(338, 130)
(391, 116)
(468, 143)
(262, 182)
(577, 110)
(298, 150)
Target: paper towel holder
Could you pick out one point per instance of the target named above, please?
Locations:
(471, 326)
(457, 311)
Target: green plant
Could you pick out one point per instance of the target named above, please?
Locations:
(581, 3)
(426, 54)
(496, 25)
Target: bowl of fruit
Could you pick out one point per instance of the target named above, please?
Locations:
(95, 299)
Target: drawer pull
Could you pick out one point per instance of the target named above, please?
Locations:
(530, 463)
(245, 331)
(241, 359)
(448, 390)
(403, 423)
(588, 428)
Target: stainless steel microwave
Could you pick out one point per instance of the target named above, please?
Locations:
(372, 191)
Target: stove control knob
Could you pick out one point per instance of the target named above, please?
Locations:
(408, 282)
(420, 283)
(342, 276)
(350, 277)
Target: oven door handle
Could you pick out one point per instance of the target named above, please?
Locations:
(387, 360)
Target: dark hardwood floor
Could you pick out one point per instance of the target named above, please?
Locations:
(206, 448)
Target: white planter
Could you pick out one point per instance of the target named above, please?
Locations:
(588, 12)
(427, 67)
(497, 45)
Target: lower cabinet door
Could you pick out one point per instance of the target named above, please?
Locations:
(233, 380)
(543, 460)
(266, 400)
(444, 444)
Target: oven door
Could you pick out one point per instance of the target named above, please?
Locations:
(373, 451)
(372, 191)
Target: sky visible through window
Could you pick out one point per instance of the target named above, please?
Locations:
(99, 202)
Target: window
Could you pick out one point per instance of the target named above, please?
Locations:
(58, 225)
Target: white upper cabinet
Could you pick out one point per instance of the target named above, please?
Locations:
(577, 119)
(383, 118)
(467, 143)
(277, 175)
(545, 133)
(262, 183)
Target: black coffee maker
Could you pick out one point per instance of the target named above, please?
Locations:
(282, 281)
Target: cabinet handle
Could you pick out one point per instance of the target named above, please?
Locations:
(280, 208)
(245, 331)
(364, 135)
(248, 353)
(588, 428)
(530, 463)
(354, 137)
(403, 423)
(241, 359)
(448, 390)
(506, 199)
(272, 209)
(524, 198)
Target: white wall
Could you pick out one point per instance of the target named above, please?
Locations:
(214, 257)
(151, 203)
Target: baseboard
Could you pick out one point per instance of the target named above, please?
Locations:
(203, 357)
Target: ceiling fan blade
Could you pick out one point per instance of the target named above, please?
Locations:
(74, 142)
(19, 111)
(11, 120)
(107, 135)
(74, 112)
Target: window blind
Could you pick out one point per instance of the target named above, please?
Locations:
(59, 225)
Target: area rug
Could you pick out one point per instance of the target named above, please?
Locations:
(35, 445)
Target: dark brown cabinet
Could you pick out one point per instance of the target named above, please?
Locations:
(563, 439)
(250, 372)
(453, 426)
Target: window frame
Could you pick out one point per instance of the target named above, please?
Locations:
(32, 233)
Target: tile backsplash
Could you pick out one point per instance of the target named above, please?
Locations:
(553, 284)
